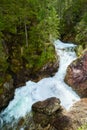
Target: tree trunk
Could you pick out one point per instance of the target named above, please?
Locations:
(26, 35)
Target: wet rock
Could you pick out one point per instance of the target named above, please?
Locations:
(48, 106)
(45, 111)
(50, 113)
(76, 75)
(56, 121)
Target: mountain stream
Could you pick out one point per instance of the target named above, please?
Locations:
(54, 86)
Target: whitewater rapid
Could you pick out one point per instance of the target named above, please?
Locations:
(54, 86)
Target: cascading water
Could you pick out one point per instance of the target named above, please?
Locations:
(45, 88)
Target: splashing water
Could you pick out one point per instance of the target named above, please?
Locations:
(48, 87)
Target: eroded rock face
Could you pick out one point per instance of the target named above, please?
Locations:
(76, 75)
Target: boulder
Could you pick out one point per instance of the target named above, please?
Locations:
(45, 111)
(48, 107)
(49, 115)
(76, 75)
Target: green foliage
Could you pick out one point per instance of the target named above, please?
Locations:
(74, 23)
(79, 50)
(48, 54)
(83, 127)
(71, 16)
(38, 58)
(81, 31)
(39, 16)
(25, 27)
(45, 21)
(3, 59)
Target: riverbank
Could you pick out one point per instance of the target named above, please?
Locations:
(48, 87)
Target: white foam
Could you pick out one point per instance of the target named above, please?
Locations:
(45, 88)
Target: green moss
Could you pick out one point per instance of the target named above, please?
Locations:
(83, 127)
(79, 50)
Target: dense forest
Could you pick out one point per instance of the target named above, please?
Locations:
(28, 29)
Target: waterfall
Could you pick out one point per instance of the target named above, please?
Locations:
(48, 87)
